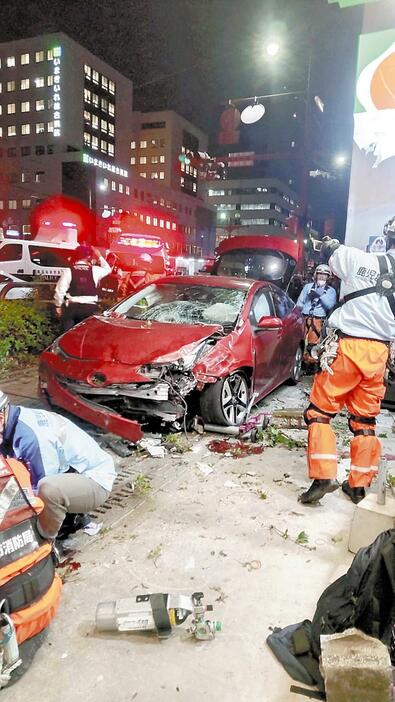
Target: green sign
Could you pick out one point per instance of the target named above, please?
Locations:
(351, 3)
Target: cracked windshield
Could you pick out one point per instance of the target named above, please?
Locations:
(184, 304)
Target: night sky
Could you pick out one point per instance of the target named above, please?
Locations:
(206, 51)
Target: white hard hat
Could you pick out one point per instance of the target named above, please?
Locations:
(322, 268)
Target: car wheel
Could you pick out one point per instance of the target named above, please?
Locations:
(225, 402)
(296, 367)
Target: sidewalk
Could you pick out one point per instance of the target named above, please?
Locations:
(192, 532)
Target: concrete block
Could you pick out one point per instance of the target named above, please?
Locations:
(355, 667)
(370, 520)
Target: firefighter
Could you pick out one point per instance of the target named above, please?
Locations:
(68, 469)
(353, 362)
(316, 300)
(76, 292)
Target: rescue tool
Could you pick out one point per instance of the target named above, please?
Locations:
(158, 612)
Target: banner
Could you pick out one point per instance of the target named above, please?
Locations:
(372, 184)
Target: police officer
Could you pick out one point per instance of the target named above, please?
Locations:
(76, 292)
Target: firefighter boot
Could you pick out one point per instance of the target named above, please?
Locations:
(356, 494)
(317, 490)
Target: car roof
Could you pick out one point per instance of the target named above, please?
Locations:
(213, 281)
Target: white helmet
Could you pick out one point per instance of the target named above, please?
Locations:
(4, 401)
(323, 268)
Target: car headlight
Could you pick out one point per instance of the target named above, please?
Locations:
(56, 349)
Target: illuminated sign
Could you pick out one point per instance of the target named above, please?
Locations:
(140, 242)
(93, 161)
(351, 3)
(371, 200)
(57, 103)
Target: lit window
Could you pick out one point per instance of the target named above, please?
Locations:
(39, 82)
(95, 143)
(155, 221)
(104, 82)
(1, 204)
(39, 56)
(111, 109)
(293, 143)
(11, 130)
(194, 187)
(26, 204)
(40, 127)
(111, 129)
(161, 223)
(10, 86)
(95, 122)
(1, 110)
(161, 159)
(87, 116)
(25, 129)
(1, 87)
(167, 224)
(40, 105)
(11, 108)
(57, 51)
(148, 219)
(154, 175)
(133, 161)
(49, 126)
(39, 176)
(111, 87)
(10, 61)
(143, 175)
(25, 106)
(154, 159)
(50, 55)
(161, 175)
(25, 59)
(95, 77)
(49, 80)
(120, 187)
(103, 125)
(88, 71)
(132, 144)
(87, 95)
(143, 159)
(12, 204)
(143, 144)
(127, 190)
(104, 104)
(105, 183)
(87, 139)
(103, 146)
(113, 185)
(174, 226)
(111, 149)
(95, 100)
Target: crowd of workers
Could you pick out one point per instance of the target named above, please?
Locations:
(72, 474)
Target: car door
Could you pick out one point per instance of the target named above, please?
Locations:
(283, 308)
(11, 258)
(265, 343)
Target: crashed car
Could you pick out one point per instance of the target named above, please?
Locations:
(206, 345)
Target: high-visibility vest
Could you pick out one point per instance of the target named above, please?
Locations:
(28, 582)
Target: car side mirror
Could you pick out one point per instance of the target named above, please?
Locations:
(270, 323)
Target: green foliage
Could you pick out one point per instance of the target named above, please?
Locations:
(273, 437)
(25, 328)
(302, 538)
(142, 484)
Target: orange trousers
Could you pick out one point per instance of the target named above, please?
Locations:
(358, 384)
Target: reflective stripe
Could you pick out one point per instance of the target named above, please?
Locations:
(7, 495)
(358, 469)
(324, 456)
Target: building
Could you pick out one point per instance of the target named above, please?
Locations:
(251, 205)
(65, 128)
(158, 141)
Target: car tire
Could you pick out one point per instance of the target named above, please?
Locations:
(296, 367)
(225, 402)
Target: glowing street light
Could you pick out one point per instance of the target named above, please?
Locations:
(272, 48)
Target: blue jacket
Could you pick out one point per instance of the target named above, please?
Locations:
(48, 443)
(315, 301)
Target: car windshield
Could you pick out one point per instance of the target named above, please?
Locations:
(254, 263)
(183, 304)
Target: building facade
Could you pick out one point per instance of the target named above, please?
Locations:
(65, 128)
(251, 206)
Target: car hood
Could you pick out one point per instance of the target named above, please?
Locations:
(132, 341)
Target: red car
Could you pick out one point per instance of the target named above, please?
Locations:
(202, 343)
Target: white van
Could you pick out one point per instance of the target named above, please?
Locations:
(28, 259)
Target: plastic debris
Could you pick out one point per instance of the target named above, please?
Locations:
(153, 447)
(93, 528)
(205, 468)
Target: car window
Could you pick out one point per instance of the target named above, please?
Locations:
(261, 305)
(11, 252)
(282, 303)
(46, 256)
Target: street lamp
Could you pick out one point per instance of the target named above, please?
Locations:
(340, 160)
(272, 48)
